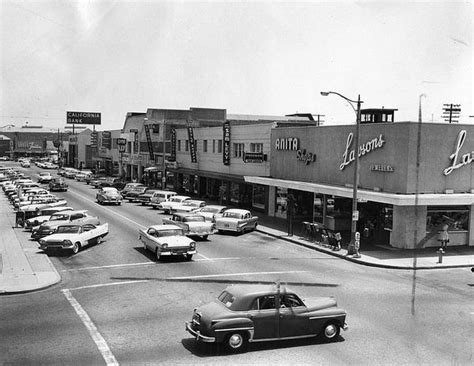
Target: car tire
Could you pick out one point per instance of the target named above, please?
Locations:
(330, 332)
(235, 342)
(99, 239)
(204, 237)
(189, 257)
(76, 247)
(158, 255)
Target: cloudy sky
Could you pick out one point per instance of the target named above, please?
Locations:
(248, 57)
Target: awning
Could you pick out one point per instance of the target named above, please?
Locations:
(424, 199)
(151, 169)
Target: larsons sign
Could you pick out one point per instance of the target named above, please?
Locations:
(457, 160)
(371, 145)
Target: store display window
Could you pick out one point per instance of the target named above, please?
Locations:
(457, 218)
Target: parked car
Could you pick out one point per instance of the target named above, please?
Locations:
(58, 184)
(252, 313)
(82, 175)
(90, 178)
(74, 237)
(145, 198)
(192, 224)
(63, 218)
(168, 206)
(130, 187)
(44, 177)
(108, 195)
(43, 216)
(133, 193)
(25, 163)
(40, 200)
(97, 182)
(161, 196)
(4, 158)
(167, 240)
(211, 212)
(33, 210)
(70, 173)
(187, 206)
(236, 220)
(50, 165)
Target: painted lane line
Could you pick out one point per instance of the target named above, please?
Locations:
(107, 284)
(205, 259)
(202, 255)
(96, 336)
(108, 209)
(234, 274)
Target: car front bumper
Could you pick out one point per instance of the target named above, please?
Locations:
(198, 334)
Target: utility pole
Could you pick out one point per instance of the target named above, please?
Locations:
(451, 112)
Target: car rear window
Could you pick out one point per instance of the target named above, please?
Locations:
(226, 298)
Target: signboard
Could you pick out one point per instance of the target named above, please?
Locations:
(83, 118)
(94, 139)
(149, 142)
(226, 149)
(253, 157)
(192, 144)
(173, 145)
(121, 141)
(107, 139)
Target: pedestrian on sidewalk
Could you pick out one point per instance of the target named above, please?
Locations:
(444, 236)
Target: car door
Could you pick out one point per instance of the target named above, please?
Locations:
(265, 318)
(89, 232)
(294, 319)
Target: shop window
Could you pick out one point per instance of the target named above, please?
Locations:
(238, 150)
(204, 145)
(179, 145)
(186, 145)
(234, 193)
(219, 146)
(213, 146)
(256, 147)
(258, 196)
(457, 217)
(281, 201)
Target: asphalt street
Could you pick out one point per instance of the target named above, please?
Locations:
(117, 305)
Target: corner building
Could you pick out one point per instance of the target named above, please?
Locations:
(413, 179)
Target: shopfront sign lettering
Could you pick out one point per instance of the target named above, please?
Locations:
(349, 155)
(382, 168)
(288, 143)
(458, 161)
(307, 157)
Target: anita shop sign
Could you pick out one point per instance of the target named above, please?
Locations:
(349, 155)
(293, 144)
(458, 161)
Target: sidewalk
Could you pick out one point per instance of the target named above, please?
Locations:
(24, 268)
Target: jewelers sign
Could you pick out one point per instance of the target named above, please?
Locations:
(83, 118)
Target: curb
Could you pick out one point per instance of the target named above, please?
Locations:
(356, 260)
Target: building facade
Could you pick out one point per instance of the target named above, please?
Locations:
(413, 179)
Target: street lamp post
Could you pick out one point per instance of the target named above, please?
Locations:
(163, 173)
(355, 213)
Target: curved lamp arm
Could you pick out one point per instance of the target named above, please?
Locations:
(326, 93)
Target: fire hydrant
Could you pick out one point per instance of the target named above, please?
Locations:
(440, 252)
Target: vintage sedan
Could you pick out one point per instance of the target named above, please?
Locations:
(74, 237)
(192, 224)
(145, 198)
(133, 193)
(108, 195)
(188, 206)
(236, 220)
(77, 217)
(167, 206)
(43, 216)
(167, 240)
(58, 184)
(211, 212)
(252, 313)
(44, 177)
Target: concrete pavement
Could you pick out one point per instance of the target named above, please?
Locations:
(24, 268)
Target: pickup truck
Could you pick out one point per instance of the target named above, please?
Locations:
(192, 224)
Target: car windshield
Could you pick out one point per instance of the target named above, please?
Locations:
(194, 219)
(70, 229)
(226, 298)
(232, 215)
(57, 217)
(110, 190)
(168, 232)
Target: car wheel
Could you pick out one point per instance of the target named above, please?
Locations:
(330, 332)
(235, 342)
(99, 239)
(158, 255)
(204, 237)
(189, 257)
(76, 247)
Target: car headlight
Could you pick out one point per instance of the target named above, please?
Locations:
(192, 245)
(164, 245)
(67, 242)
(41, 241)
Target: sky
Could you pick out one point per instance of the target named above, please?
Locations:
(248, 57)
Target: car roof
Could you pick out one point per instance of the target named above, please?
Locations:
(179, 196)
(164, 227)
(109, 189)
(245, 294)
(238, 210)
(215, 206)
(186, 214)
(195, 201)
(75, 211)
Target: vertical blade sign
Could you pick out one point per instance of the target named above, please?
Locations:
(148, 140)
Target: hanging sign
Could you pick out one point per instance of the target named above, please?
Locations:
(226, 149)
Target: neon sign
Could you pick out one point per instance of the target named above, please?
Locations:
(457, 161)
(371, 145)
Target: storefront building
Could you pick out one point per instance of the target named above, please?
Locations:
(413, 179)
